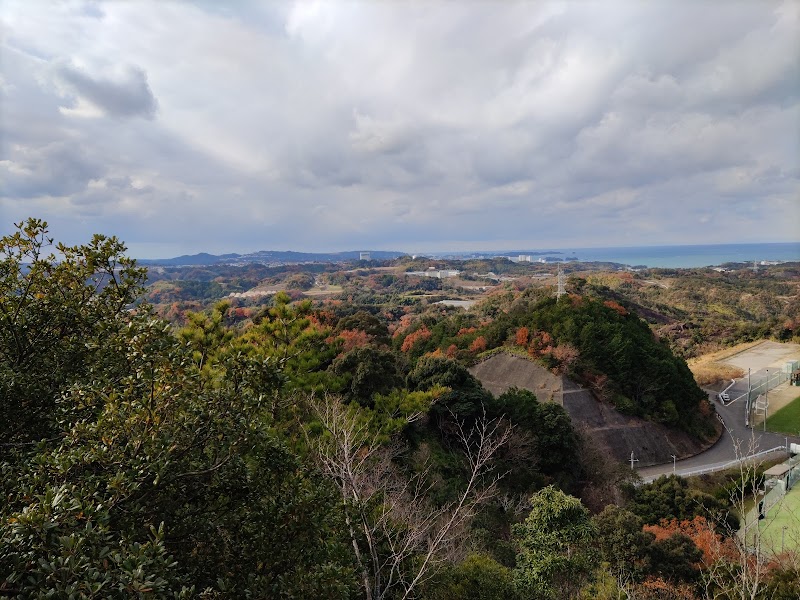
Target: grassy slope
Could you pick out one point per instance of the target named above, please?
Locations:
(787, 419)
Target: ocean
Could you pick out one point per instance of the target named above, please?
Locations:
(667, 257)
(685, 256)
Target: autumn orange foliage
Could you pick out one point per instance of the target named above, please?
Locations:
(522, 336)
(405, 323)
(655, 588)
(354, 338)
(478, 344)
(616, 306)
(423, 333)
(701, 532)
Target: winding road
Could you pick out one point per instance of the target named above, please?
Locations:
(739, 440)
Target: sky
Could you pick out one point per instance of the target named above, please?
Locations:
(183, 127)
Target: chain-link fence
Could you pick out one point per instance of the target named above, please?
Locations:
(767, 382)
(755, 403)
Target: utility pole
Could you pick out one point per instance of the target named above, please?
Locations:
(633, 460)
(561, 287)
(747, 404)
(766, 401)
(674, 458)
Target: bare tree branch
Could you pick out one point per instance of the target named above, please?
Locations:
(390, 519)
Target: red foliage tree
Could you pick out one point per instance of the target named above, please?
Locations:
(354, 338)
(423, 333)
(478, 344)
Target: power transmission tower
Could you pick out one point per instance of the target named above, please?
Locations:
(561, 288)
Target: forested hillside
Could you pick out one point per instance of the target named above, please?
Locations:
(334, 449)
(701, 310)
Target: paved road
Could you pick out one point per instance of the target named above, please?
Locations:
(738, 441)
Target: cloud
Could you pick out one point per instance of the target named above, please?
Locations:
(122, 94)
(333, 125)
(56, 169)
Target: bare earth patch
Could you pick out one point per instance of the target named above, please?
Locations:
(711, 368)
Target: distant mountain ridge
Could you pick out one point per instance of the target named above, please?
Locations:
(270, 257)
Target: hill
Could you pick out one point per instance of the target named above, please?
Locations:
(272, 257)
(617, 434)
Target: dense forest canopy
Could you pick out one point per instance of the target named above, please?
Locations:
(334, 448)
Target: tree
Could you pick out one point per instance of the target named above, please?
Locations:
(623, 544)
(670, 497)
(556, 441)
(467, 398)
(162, 476)
(555, 556)
(287, 335)
(477, 577)
(56, 318)
(366, 372)
(676, 558)
(369, 324)
(399, 539)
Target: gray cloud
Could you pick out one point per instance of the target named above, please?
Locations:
(125, 95)
(57, 169)
(333, 125)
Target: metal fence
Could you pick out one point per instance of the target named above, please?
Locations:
(766, 382)
(717, 466)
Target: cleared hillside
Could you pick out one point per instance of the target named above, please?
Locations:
(618, 434)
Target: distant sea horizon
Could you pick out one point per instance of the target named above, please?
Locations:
(670, 257)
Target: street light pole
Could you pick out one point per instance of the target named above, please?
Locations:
(748, 404)
(633, 460)
(674, 458)
(766, 401)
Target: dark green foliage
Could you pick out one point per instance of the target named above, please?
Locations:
(670, 497)
(477, 577)
(56, 318)
(622, 543)
(162, 473)
(676, 558)
(555, 554)
(366, 322)
(555, 443)
(235, 511)
(467, 398)
(367, 371)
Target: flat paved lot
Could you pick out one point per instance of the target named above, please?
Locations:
(764, 356)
